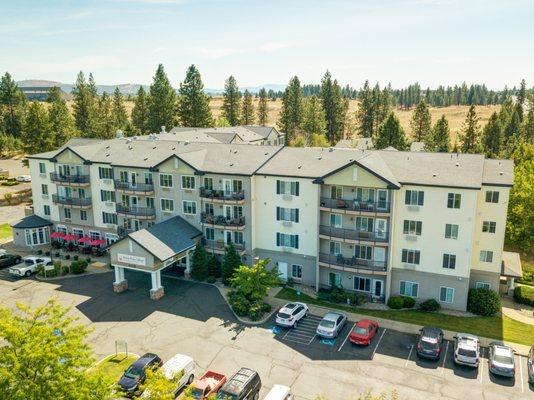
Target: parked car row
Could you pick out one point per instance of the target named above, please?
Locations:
(245, 384)
(29, 265)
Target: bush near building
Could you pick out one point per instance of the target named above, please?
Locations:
(78, 267)
(430, 305)
(338, 295)
(398, 302)
(524, 295)
(483, 302)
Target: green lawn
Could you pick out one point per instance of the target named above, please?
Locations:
(5, 231)
(113, 366)
(498, 327)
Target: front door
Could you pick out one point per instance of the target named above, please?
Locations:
(380, 256)
(228, 212)
(378, 287)
(282, 268)
(133, 178)
(227, 237)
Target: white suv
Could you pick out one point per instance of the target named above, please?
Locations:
(466, 349)
(29, 265)
(290, 314)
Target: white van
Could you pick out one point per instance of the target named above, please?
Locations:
(279, 392)
(176, 365)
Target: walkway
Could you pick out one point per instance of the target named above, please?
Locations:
(519, 312)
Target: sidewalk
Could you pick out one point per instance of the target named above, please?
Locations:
(519, 312)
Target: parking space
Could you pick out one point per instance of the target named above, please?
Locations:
(304, 333)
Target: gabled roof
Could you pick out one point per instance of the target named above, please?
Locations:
(31, 221)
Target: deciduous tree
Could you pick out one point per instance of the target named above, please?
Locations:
(194, 104)
(254, 282)
(231, 107)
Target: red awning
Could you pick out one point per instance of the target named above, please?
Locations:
(70, 237)
(57, 235)
(97, 242)
(84, 239)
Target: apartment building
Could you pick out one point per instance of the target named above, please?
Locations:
(426, 225)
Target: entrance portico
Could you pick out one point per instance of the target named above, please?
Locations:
(152, 250)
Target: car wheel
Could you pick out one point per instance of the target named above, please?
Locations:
(295, 324)
(256, 396)
(190, 380)
(28, 273)
(307, 313)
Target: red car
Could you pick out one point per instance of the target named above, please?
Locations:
(363, 332)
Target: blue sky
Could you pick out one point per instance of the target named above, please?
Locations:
(260, 42)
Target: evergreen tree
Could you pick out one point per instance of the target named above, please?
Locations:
(421, 122)
(161, 103)
(521, 95)
(313, 119)
(247, 112)
(513, 127)
(61, 122)
(199, 263)
(491, 136)
(194, 105)
(333, 107)
(391, 133)
(263, 108)
(528, 129)
(118, 111)
(365, 113)
(13, 102)
(105, 127)
(469, 138)
(231, 102)
(84, 106)
(231, 261)
(214, 266)
(439, 139)
(291, 112)
(140, 112)
(37, 134)
(92, 85)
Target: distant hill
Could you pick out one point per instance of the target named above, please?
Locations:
(253, 89)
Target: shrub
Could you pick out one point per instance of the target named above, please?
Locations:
(483, 302)
(396, 302)
(408, 302)
(524, 295)
(430, 305)
(211, 279)
(238, 302)
(75, 257)
(78, 267)
(88, 259)
(255, 311)
(214, 266)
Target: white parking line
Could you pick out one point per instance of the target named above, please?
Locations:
(444, 358)
(521, 372)
(409, 354)
(481, 364)
(377, 343)
(346, 337)
(312, 339)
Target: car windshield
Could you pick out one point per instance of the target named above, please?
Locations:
(429, 343)
(503, 359)
(28, 262)
(222, 395)
(359, 330)
(467, 352)
(325, 323)
(283, 315)
(197, 393)
(133, 372)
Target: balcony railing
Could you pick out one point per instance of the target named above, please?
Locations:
(356, 205)
(353, 234)
(339, 260)
(55, 177)
(71, 201)
(220, 245)
(222, 194)
(135, 187)
(221, 220)
(136, 210)
(122, 231)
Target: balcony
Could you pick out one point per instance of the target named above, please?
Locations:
(219, 247)
(356, 205)
(122, 231)
(72, 201)
(70, 180)
(356, 263)
(136, 211)
(353, 234)
(129, 187)
(222, 195)
(222, 221)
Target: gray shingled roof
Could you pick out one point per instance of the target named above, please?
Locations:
(168, 238)
(31, 221)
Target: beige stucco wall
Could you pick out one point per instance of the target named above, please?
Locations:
(130, 247)
(39, 200)
(363, 178)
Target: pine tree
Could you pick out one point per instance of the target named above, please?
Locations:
(194, 104)
(391, 133)
(140, 112)
(118, 111)
(231, 261)
(263, 108)
(105, 127)
(92, 85)
(469, 138)
(521, 95)
(199, 263)
(84, 106)
(491, 136)
(333, 107)
(528, 129)
(364, 115)
(13, 101)
(421, 122)
(231, 102)
(161, 103)
(214, 266)
(313, 120)
(439, 139)
(61, 121)
(291, 112)
(247, 112)
(37, 134)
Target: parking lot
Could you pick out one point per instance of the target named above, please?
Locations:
(194, 319)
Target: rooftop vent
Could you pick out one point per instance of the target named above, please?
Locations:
(231, 164)
(434, 174)
(299, 167)
(128, 140)
(501, 173)
(174, 148)
(162, 129)
(457, 164)
(130, 148)
(107, 155)
(146, 158)
(154, 148)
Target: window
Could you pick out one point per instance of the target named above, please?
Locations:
(287, 187)
(238, 237)
(208, 183)
(454, 200)
(489, 226)
(408, 288)
(94, 235)
(492, 196)
(149, 202)
(335, 248)
(336, 220)
(105, 173)
(482, 285)
(296, 271)
(414, 198)
(362, 284)
(148, 178)
(107, 195)
(188, 182)
(486, 256)
(365, 195)
(446, 294)
(208, 208)
(46, 210)
(411, 256)
(44, 189)
(109, 218)
(336, 192)
(189, 207)
(37, 236)
(287, 240)
(449, 261)
(364, 224)
(287, 214)
(77, 232)
(334, 279)
(363, 252)
(165, 180)
(451, 231)
(123, 176)
(210, 234)
(42, 168)
(167, 205)
(412, 227)
(83, 215)
(81, 193)
(237, 185)
(67, 213)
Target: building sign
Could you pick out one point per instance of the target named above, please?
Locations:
(130, 259)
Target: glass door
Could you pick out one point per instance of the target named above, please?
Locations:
(378, 286)
(382, 200)
(381, 228)
(227, 187)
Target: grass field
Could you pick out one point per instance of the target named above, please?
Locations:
(502, 328)
(113, 366)
(5, 231)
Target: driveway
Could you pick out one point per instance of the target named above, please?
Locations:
(194, 319)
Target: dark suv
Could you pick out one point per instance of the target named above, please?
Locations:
(245, 384)
(429, 343)
(135, 375)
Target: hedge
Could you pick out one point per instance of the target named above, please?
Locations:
(524, 295)
(398, 302)
(430, 305)
(483, 302)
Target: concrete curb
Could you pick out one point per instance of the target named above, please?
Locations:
(56, 278)
(109, 355)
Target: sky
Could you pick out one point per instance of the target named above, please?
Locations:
(432, 42)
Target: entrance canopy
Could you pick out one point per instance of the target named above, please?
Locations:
(511, 265)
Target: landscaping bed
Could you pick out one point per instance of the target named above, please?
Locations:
(113, 366)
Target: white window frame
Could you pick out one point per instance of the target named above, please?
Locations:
(288, 188)
(447, 289)
(189, 204)
(412, 227)
(452, 230)
(483, 285)
(333, 218)
(169, 202)
(113, 219)
(186, 182)
(46, 208)
(67, 211)
(161, 179)
(37, 236)
(484, 256)
(81, 213)
(334, 244)
(491, 194)
(42, 168)
(414, 197)
(358, 279)
(488, 225)
(449, 258)
(412, 285)
(456, 197)
(299, 271)
(411, 251)
(212, 233)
